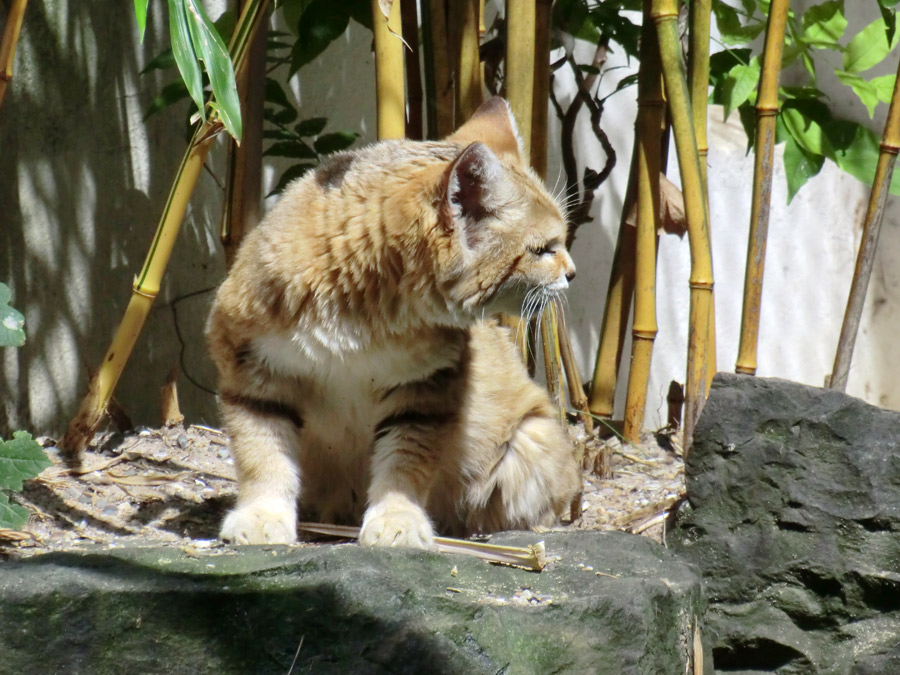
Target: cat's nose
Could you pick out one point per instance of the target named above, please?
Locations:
(570, 274)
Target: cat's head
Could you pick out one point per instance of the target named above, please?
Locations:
(508, 231)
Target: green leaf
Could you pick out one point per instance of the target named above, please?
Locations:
(334, 142)
(185, 58)
(289, 176)
(360, 11)
(294, 149)
(869, 47)
(322, 22)
(721, 63)
(865, 90)
(217, 60)
(823, 25)
(21, 458)
(282, 117)
(140, 13)
(805, 130)
(11, 321)
(799, 166)
(889, 14)
(225, 25)
(739, 85)
(12, 516)
(275, 94)
(171, 93)
(311, 127)
(731, 30)
(292, 10)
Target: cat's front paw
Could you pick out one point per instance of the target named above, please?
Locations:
(396, 524)
(271, 521)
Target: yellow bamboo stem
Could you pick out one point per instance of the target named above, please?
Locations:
(766, 112)
(146, 285)
(552, 358)
(649, 122)
(9, 41)
(574, 387)
(865, 258)
(389, 72)
(465, 18)
(617, 308)
(665, 16)
(698, 80)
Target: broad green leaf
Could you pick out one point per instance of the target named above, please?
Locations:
(171, 93)
(884, 87)
(823, 25)
(21, 458)
(140, 13)
(322, 22)
(281, 117)
(11, 321)
(225, 25)
(212, 50)
(12, 516)
(865, 90)
(183, 49)
(294, 149)
(799, 166)
(806, 131)
(311, 127)
(721, 63)
(360, 11)
(292, 10)
(334, 142)
(277, 134)
(739, 85)
(289, 176)
(889, 14)
(732, 31)
(869, 47)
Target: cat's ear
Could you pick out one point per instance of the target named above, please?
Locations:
(473, 184)
(494, 125)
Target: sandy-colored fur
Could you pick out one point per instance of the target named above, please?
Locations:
(356, 372)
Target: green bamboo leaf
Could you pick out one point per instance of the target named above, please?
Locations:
(140, 13)
(21, 458)
(739, 85)
(824, 24)
(294, 149)
(183, 49)
(311, 127)
(12, 516)
(214, 54)
(869, 47)
(11, 321)
(799, 166)
(334, 142)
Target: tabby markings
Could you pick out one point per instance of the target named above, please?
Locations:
(264, 407)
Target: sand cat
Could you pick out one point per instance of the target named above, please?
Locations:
(357, 375)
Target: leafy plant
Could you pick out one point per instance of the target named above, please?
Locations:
(21, 457)
(806, 124)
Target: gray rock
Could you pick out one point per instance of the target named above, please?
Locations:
(794, 520)
(347, 609)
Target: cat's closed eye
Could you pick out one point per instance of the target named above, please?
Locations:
(546, 249)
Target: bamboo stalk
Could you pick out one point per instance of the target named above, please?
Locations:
(698, 81)
(244, 186)
(438, 74)
(665, 16)
(552, 358)
(766, 112)
(575, 387)
(464, 25)
(146, 285)
(541, 97)
(865, 257)
(644, 327)
(389, 72)
(409, 19)
(617, 308)
(8, 44)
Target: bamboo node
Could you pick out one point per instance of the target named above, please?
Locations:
(766, 111)
(147, 294)
(745, 370)
(644, 334)
(6, 76)
(659, 17)
(889, 148)
(702, 285)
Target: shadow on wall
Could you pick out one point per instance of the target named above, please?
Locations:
(82, 185)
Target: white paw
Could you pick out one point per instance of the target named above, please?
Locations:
(270, 521)
(387, 524)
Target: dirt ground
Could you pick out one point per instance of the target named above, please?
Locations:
(173, 485)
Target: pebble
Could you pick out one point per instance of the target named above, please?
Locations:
(183, 441)
(223, 453)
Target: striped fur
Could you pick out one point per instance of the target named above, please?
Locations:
(358, 378)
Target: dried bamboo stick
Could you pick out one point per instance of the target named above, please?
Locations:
(8, 43)
(644, 327)
(146, 285)
(766, 112)
(552, 358)
(438, 72)
(665, 16)
(865, 258)
(465, 21)
(390, 91)
(409, 19)
(577, 398)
